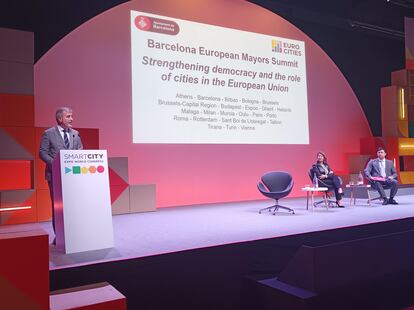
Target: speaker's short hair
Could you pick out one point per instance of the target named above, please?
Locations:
(60, 111)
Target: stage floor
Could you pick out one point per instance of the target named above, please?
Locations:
(183, 228)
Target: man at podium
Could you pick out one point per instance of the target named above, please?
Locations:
(60, 137)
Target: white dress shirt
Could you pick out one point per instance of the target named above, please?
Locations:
(382, 167)
(62, 132)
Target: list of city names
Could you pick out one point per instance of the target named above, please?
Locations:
(224, 113)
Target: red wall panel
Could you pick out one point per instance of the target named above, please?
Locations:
(369, 145)
(24, 137)
(16, 110)
(39, 164)
(43, 205)
(24, 279)
(90, 138)
(20, 198)
(16, 174)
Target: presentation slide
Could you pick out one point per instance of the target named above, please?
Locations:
(204, 84)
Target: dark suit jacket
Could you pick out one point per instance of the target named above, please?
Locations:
(373, 169)
(52, 142)
(318, 169)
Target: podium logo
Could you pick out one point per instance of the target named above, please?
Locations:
(84, 169)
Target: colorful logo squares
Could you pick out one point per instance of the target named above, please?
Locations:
(84, 169)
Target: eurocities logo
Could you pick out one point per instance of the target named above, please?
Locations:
(276, 46)
(84, 169)
(288, 48)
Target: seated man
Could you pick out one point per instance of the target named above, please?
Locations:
(381, 173)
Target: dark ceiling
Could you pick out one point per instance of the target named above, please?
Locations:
(51, 20)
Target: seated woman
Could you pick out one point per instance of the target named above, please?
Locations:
(327, 177)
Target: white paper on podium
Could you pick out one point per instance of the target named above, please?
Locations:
(86, 202)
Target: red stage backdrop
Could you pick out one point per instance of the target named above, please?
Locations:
(90, 70)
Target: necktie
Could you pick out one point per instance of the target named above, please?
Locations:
(66, 139)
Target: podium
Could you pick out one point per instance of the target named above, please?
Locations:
(83, 217)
